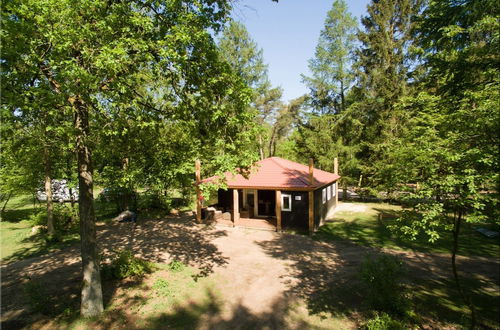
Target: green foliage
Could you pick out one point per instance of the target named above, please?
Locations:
(246, 59)
(382, 277)
(243, 54)
(332, 73)
(65, 218)
(176, 266)
(329, 129)
(39, 218)
(162, 287)
(38, 298)
(126, 265)
(154, 200)
(383, 321)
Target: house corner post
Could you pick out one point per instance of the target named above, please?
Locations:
(311, 212)
(198, 191)
(255, 203)
(336, 171)
(278, 210)
(311, 171)
(236, 208)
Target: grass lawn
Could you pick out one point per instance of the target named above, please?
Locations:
(437, 298)
(15, 229)
(364, 228)
(166, 296)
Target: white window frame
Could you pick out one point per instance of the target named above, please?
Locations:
(329, 192)
(283, 203)
(334, 189)
(323, 195)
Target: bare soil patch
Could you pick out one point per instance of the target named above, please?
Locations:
(254, 278)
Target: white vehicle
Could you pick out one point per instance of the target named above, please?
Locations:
(60, 192)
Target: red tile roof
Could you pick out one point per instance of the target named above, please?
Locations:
(275, 172)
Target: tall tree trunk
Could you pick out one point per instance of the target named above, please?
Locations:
(91, 304)
(7, 199)
(48, 190)
(127, 197)
(344, 193)
(272, 141)
(342, 96)
(261, 147)
(456, 231)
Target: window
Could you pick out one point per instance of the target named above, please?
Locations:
(323, 195)
(286, 202)
(329, 192)
(334, 189)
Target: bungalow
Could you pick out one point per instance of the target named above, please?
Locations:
(278, 193)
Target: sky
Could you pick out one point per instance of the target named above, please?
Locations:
(288, 32)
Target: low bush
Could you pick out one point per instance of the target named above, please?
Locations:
(39, 218)
(382, 277)
(65, 217)
(154, 200)
(126, 265)
(65, 222)
(162, 287)
(384, 322)
(176, 266)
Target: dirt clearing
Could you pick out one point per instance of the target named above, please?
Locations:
(238, 278)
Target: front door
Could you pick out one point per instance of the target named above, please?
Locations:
(266, 203)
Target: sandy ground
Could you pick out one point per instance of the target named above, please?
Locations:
(260, 273)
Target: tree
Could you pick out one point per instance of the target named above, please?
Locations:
(383, 63)
(287, 119)
(244, 56)
(326, 130)
(332, 73)
(94, 58)
(450, 146)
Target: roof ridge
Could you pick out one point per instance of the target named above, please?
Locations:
(306, 182)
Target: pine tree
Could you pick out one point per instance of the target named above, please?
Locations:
(383, 63)
(332, 74)
(246, 58)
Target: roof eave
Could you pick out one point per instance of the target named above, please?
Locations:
(302, 188)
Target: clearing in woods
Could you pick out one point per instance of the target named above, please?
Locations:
(234, 278)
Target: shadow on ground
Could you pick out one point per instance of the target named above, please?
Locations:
(57, 275)
(326, 276)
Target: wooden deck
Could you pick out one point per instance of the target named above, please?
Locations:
(266, 224)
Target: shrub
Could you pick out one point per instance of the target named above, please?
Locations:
(154, 200)
(176, 266)
(126, 265)
(162, 287)
(65, 221)
(384, 322)
(65, 217)
(39, 218)
(382, 277)
(123, 197)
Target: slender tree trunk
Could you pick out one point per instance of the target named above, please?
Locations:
(344, 194)
(456, 231)
(342, 96)
(6, 201)
(271, 142)
(48, 191)
(261, 148)
(72, 198)
(91, 304)
(127, 197)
